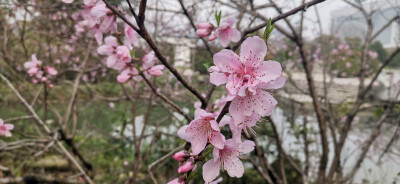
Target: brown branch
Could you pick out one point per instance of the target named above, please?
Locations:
(176, 107)
(36, 179)
(168, 155)
(302, 7)
(46, 128)
(142, 31)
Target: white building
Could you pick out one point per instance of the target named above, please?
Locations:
(350, 22)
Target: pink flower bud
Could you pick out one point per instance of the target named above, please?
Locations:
(51, 85)
(186, 167)
(180, 156)
(203, 32)
(212, 37)
(50, 70)
(44, 79)
(156, 70)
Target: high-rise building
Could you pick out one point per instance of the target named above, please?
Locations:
(350, 22)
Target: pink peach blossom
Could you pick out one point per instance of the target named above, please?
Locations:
(5, 128)
(202, 128)
(226, 33)
(33, 65)
(109, 23)
(128, 73)
(131, 39)
(156, 70)
(227, 159)
(204, 29)
(348, 64)
(50, 70)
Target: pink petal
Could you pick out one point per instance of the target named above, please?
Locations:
(111, 60)
(224, 37)
(182, 133)
(205, 25)
(197, 130)
(227, 61)
(236, 133)
(1, 122)
(217, 140)
(253, 46)
(268, 70)
(9, 126)
(214, 125)
(217, 181)
(235, 35)
(236, 110)
(105, 50)
(199, 142)
(214, 69)
(177, 181)
(247, 146)
(99, 10)
(109, 24)
(123, 77)
(29, 64)
(212, 37)
(264, 103)
(99, 36)
(276, 84)
(111, 41)
(231, 20)
(211, 170)
(130, 36)
(234, 166)
(217, 78)
(216, 154)
(148, 60)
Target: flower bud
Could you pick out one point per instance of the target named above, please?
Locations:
(187, 166)
(180, 156)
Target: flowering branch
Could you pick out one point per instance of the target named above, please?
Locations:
(142, 31)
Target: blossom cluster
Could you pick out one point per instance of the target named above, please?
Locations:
(248, 80)
(119, 50)
(224, 32)
(38, 72)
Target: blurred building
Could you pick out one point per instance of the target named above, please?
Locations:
(350, 22)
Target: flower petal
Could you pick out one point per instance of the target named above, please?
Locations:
(234, 166)
(253, 46)
(227, 61)
(268, 70)
(211, 170)
(217, 140)
(217, 78)
(264, 103)
(182, 133)
(236, 110)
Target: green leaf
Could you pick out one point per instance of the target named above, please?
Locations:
(268, 29)
(218, 16)
(207, 65)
